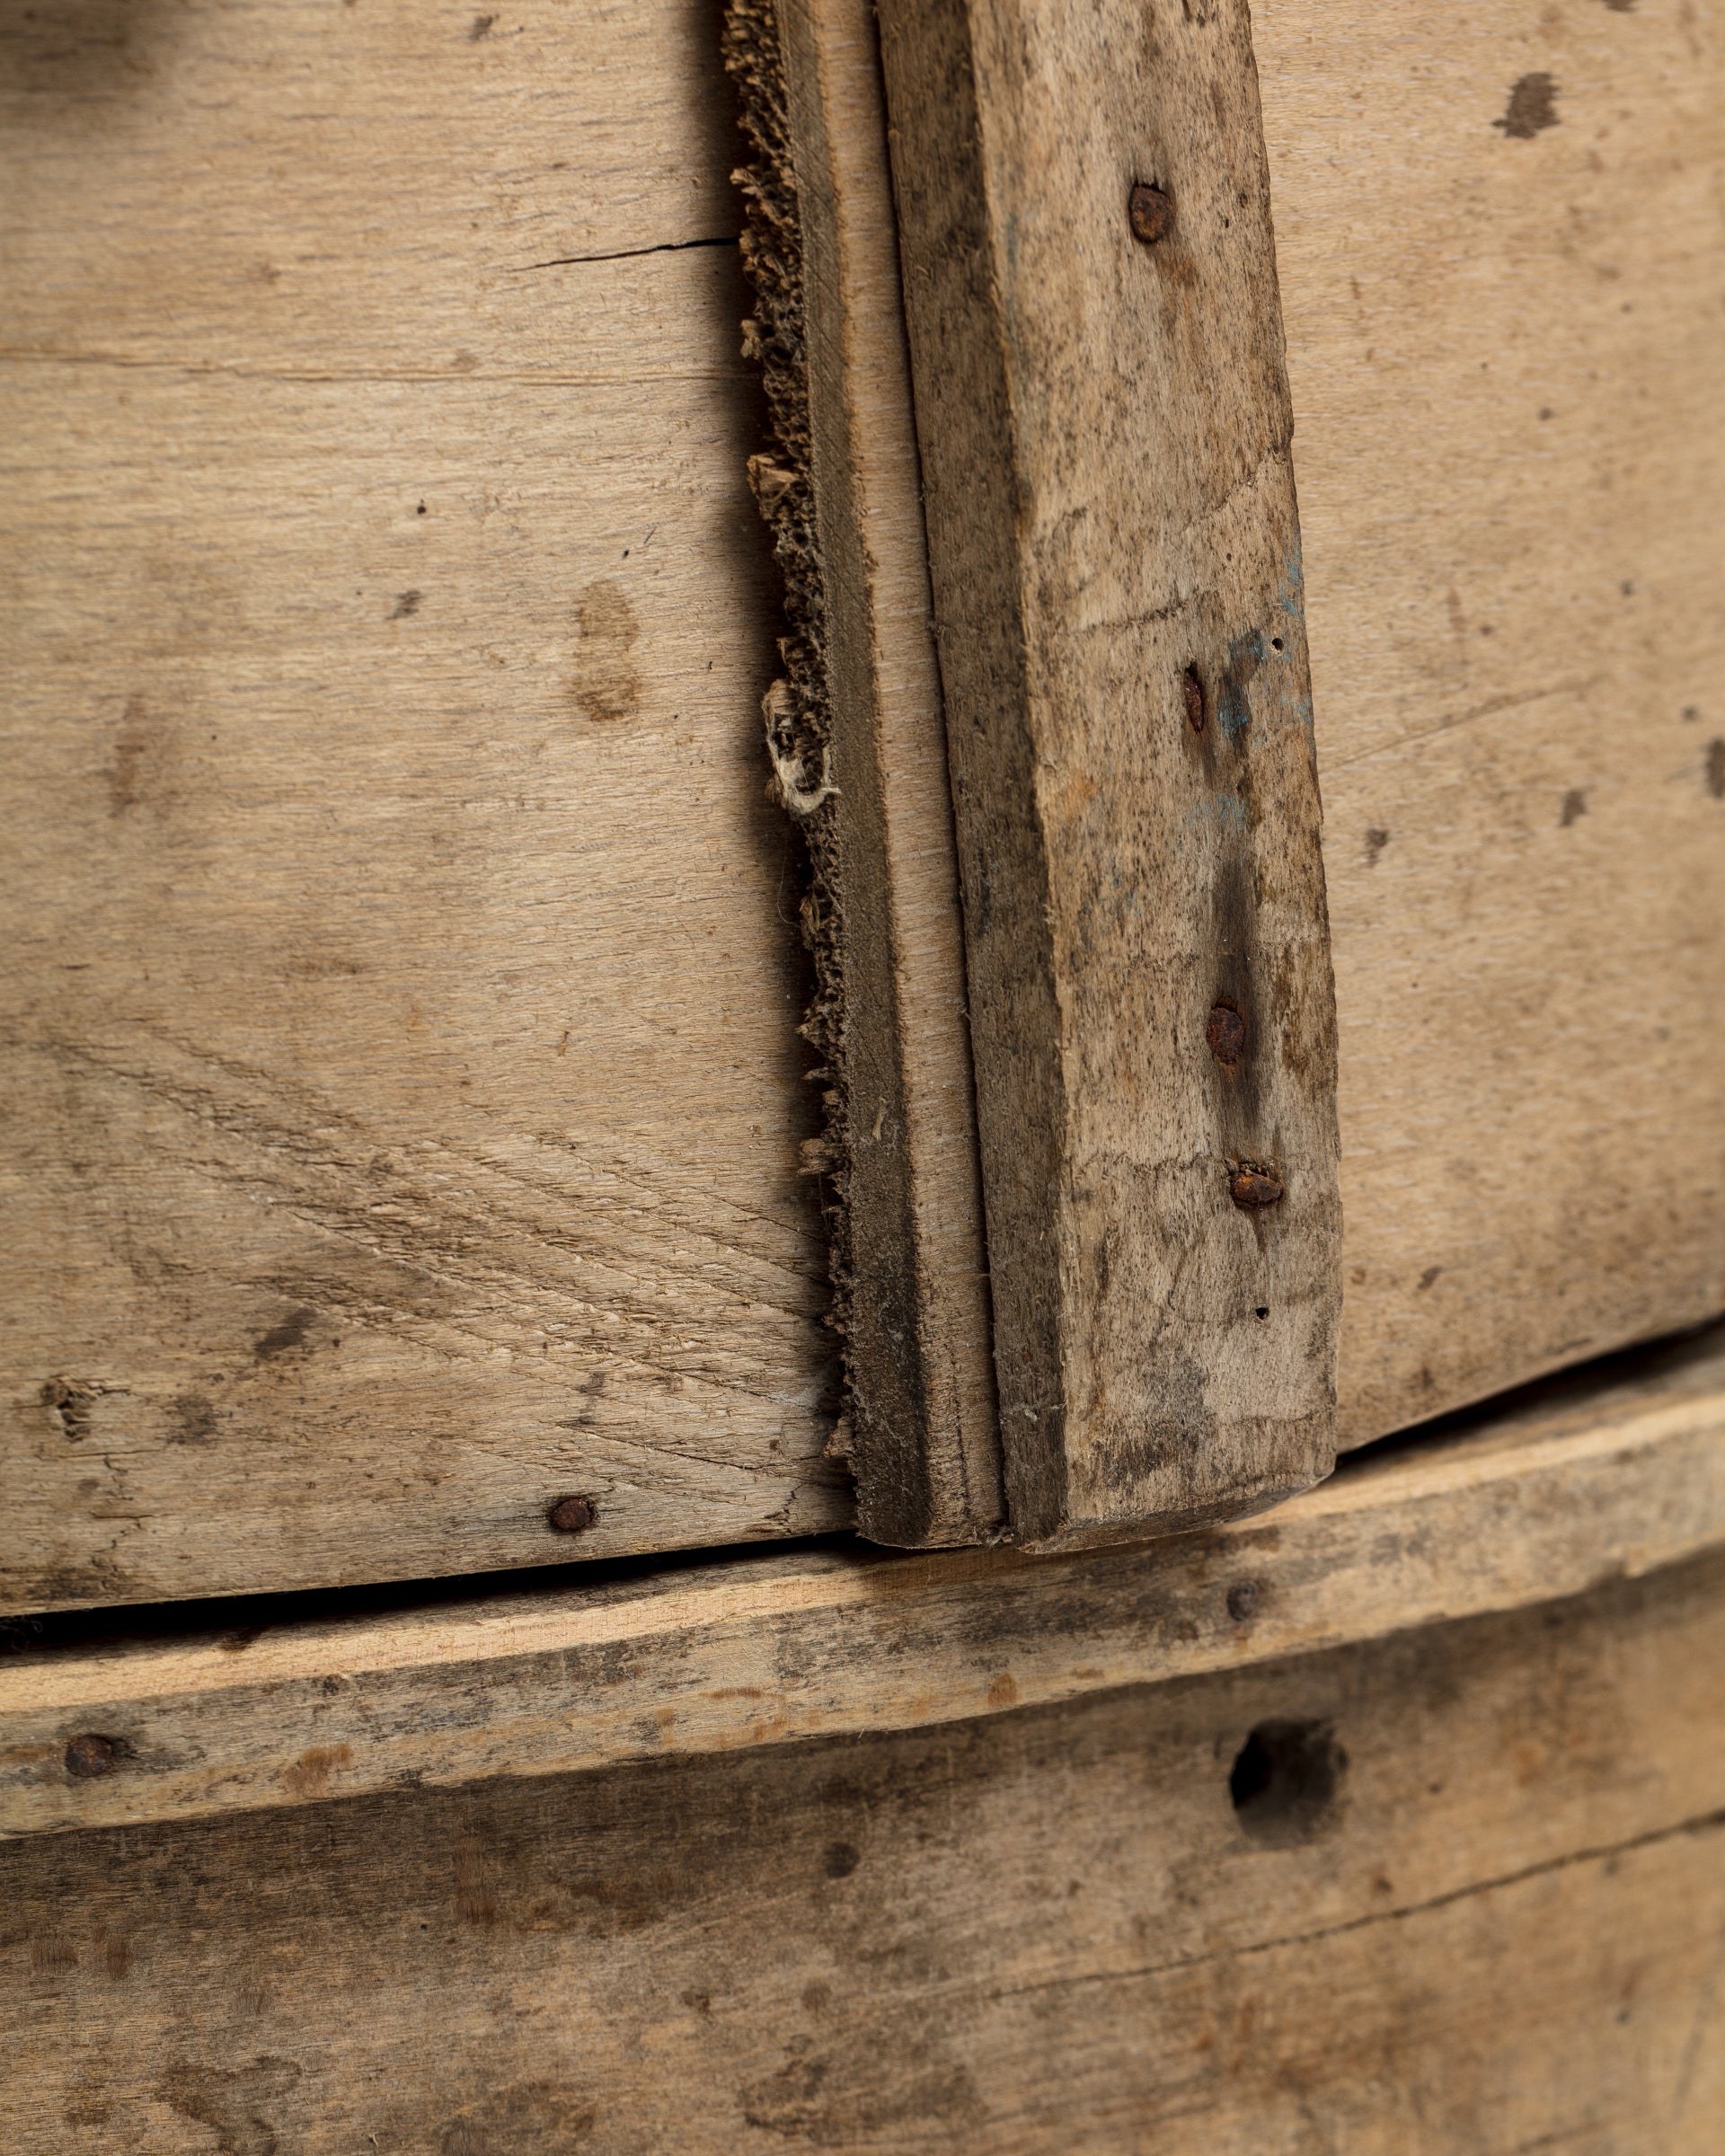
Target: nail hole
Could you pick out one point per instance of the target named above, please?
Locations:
(1262, 1311)
(1286, 1782)
(1225, 1034)
(1275, 643)
(1244, 1598)
(88, 1756)
(1151, 213)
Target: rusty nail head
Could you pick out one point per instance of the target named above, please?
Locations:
(1152, 214)
(1244, 1600)
(88, 1756)
(1252, 1188)
(1225, 1034)
(574, 1516)
(1191, 696)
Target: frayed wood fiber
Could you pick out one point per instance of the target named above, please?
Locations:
(856, 743)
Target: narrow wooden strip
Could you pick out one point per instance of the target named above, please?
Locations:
(1101, 404)
(922, 1434)
(1535, 1506)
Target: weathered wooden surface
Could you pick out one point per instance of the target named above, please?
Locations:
(1114, 549)
(1549, 1502)
(1498, 240)
(859, 736)
(402, 1088)
(1491, 1922)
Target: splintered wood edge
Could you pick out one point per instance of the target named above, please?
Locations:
(856, 737)
(1538, 1505)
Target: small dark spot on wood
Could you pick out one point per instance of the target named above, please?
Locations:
(1255, 1188)
(70, 1404)
(289, 1334)
(1716, 770)
(841, 1859)
(192, 1420)
(1285, 1782)
(1225, 1034)
(1191, 698)
(407, 604)
(1150, 212)
(1690, 713)
(1575, 804)
(1621, 7)
(420, 510)
(607, 684)
(1546, 412)
(88, 1756)
(481, 25)
(1430, 1275)
(1262, 1311)
(574, 1516)
(1275, 643)
(1244, 1599)
(1375, 842)
(1532, 106)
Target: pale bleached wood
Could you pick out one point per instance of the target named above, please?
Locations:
(1029, 1935)
(1112, 529)
(1538, 1506)
(400, 1075)
(1508, 391)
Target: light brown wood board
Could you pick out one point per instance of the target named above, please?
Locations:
(759, 1651)
(1498, 244)
(403, 1094)
(1492, 1925)
(856, 739)
(1104, 425)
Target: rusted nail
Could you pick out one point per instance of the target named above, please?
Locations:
(88, 1756)
(574, 1515)
(1191, 695)
(1252, 1188)
(1225, 1034)
(1152, 214)
(1244, 1600)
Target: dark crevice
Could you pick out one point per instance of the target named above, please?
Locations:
(241, 1618)
(627, 254)
(1572, 1388)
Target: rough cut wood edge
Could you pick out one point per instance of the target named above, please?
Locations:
(855, 732)
(1612, 1481)
(1114, 545)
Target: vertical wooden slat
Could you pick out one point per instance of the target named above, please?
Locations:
(1114, 544)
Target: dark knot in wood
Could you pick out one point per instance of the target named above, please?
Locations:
(1225, 1034)
(1152, 214)
(1242, 1601)
(1191, 696)
(1252, 1188)
(574, 1516)
(88, 1756)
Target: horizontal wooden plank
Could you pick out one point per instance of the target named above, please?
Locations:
(1621, 1479)
(1485, 1919)
(403, 1101)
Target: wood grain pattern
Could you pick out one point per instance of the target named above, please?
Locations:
(1496, 1927)
(1104, 430)
(764, 1650)
(845, 499)
(1498, 240)
(401, 1087)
